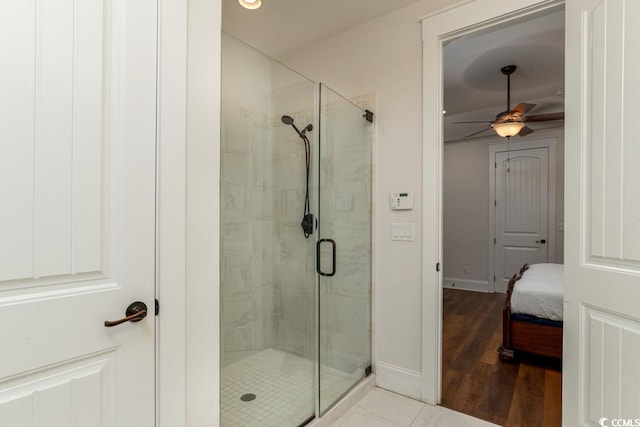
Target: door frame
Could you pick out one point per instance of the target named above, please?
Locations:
(187, 255)
(170, 222)
(437, 29)
(542, 142)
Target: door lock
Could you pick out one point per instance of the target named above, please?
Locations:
(543, 241)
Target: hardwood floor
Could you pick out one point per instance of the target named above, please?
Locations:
(477, 383)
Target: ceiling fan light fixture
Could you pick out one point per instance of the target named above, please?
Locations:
(508, 129)
(250, 4)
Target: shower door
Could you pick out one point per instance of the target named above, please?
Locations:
(343, 247)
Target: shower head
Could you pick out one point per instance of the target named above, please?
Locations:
(287, 120)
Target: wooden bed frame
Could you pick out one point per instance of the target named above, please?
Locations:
(527, 337)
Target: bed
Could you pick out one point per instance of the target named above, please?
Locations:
(532, 313)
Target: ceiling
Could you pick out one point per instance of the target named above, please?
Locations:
(283, 26)
(474, 87)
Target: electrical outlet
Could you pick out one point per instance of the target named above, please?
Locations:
(466, 270)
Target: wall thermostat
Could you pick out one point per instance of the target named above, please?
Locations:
(400, 201)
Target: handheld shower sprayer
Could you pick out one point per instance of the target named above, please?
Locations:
(288, 120)
(308, 221)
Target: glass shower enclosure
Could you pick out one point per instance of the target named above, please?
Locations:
(295, 243)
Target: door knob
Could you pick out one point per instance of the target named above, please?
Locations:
(135, 313)
(543, 241)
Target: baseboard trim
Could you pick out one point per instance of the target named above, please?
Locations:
(466, 284)
(399, 380)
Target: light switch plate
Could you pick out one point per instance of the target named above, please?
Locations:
(403, 231)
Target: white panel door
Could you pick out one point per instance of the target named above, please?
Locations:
(521, 211)
(601, 375)
(77, 211)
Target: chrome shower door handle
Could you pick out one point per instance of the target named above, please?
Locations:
(318, 262)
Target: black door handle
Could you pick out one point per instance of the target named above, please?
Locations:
(543, 241)
(318, 268)
(135, 313)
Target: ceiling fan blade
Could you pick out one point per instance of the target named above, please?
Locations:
(521, 109)
(525, 131)
(544, 117)
(477, 121)
(477, 132)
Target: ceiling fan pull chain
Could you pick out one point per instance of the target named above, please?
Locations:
(508, 155)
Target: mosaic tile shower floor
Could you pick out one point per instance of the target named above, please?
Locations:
(283, 385)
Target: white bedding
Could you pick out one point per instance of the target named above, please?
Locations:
(540, 292)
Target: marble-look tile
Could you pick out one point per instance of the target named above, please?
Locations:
(235, 239)
(292, 170)
(353, 202)
(261, 238)
(292, 241)
(262, 171)
(356, 419)
(291, 204)
(236, 339)
(389, 407)
(234, 202)
(351, 167)
(237, 310)
(235, 167)
(261, 204)
(234, 281)
(382, 408)
(437, 416)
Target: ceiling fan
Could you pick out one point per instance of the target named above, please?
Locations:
(514, 121)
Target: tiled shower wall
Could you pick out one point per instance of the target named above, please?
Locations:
(266, 281)
(247, 235)
(267, 264)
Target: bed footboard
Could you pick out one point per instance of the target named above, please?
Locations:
(505, 351)
(524, 336)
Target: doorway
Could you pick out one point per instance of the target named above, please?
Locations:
(476, 16)
(474, 380)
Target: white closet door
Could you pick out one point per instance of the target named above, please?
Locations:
(601, 377)
(77, 211)
(521, 211)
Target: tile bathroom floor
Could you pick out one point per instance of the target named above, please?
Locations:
(381, 408)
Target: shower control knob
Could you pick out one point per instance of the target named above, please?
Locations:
(308, 224)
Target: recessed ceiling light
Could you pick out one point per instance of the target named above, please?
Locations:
(250, 4)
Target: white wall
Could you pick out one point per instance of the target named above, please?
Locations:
(465, 213)
(466, 208)
(384, 57)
